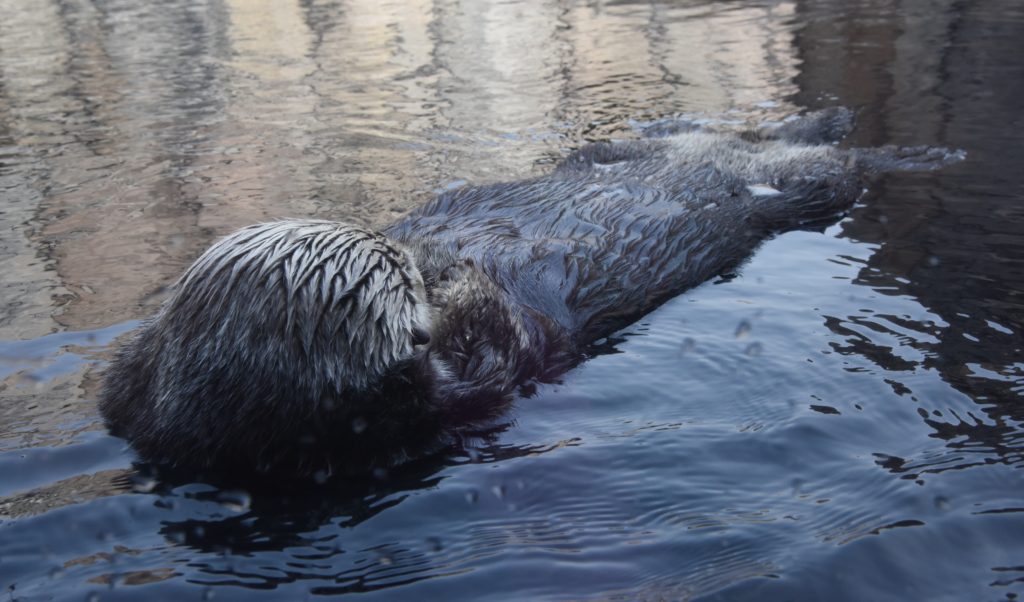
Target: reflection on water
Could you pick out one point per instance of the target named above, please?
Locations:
(841, 421)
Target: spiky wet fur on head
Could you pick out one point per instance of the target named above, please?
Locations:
(282, 338)
(341, 296)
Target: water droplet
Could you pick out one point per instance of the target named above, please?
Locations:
(933, 261)
(743, 329)
(385, 561)
(359, 425)
(754, 349)
(143, 483)
(235, 500)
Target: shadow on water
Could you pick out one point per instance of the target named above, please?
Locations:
(841, 419)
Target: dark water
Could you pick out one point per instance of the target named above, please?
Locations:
(844, 420)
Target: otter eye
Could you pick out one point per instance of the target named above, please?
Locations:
(420, 336)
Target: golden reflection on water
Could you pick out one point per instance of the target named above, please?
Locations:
(148, 132)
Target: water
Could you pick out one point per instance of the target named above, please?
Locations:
(840, 421)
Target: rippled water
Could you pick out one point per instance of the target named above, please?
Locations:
(842, 420)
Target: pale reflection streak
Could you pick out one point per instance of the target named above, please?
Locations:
(33, 60)
(186, 124)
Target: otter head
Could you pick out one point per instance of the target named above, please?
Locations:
(289, 345)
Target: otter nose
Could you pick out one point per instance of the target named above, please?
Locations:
(420, 336)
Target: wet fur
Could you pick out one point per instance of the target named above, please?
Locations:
(301, 347)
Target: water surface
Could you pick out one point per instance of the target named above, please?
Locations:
(841, 420)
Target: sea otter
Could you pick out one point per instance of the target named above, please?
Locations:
(314, 348)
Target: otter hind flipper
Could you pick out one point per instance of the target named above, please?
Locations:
(827, 126)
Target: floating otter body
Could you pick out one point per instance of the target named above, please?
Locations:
(313, 348)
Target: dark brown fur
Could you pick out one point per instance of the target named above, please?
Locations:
(311, 348)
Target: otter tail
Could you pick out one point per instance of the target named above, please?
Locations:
(904, 158)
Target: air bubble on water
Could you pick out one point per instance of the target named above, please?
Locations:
(688, 345)
(199, 532)
(381, 474)
(320, 476)
(498, 491)
(743, 329)
(933, 260)
(359, 425)
(235, 500)
(92, 597)
(385, 560)
(209, 594)
(472, 496)
(754, 349)
(941, 502)
(434, 543)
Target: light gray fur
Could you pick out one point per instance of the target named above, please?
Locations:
(304, 347)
